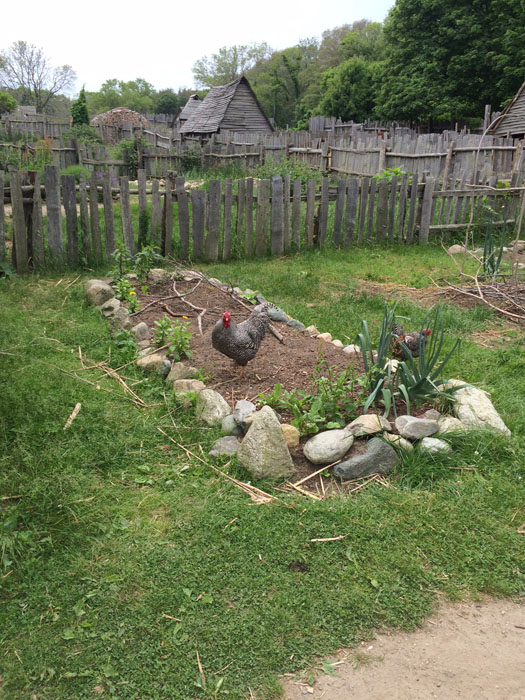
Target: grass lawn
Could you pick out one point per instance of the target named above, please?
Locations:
(127, 563)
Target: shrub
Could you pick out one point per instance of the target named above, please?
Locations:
(77, 171)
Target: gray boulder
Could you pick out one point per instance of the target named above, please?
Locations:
(230, 427)
(97, 292)
(380, 458)
(434, 445)
(182, 386)
(141, 331)
(211, 407)
(242, 410)
(154, 363)
(294, 323)
(328, 446)
(278, 315)
(263, 451)
(110, 307)
(225, 446)
(449, 424)
(180, 371)
(416, 428)
(474, 408)
(368, 424)
(157, 274)
(120, 320)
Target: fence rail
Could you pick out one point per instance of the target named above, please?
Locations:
(54, 223)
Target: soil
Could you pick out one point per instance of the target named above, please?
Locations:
(472, 651)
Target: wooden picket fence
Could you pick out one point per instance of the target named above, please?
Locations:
(57, 223)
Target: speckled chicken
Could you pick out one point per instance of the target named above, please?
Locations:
(241, 341)
(411, 340)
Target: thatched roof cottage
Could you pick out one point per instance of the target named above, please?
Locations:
(231, 107)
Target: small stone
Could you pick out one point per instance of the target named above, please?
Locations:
(242, 410)
(110, 307)
(225, 446)
(328, 446)
(183, 386)
(398, 441)
(415, 428)
(180, 371)
(432, 414)
(132, 276)
(230, 427)
(327, 337)
(393, 364)
(97, 292)
(141, 331)
(455, 249)
(368, 424)
(158, 274)
(238, 291)
(312, 331)
(120, 320)
(260, 299)
(291, 435)
(380, 458)
(263, 451)
(337, 343)
(352, 350)
(449, 424)
(294, 323)
(434, 445)
(211, 407)
(145, 351)
(215, 282)
(278, 315)
(151, 363)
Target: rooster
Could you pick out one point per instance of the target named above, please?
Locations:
(241, 341)
(413, 341)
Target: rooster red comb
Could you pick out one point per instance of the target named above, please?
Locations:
(427, 331)
(226, 319)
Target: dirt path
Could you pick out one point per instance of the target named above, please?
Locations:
(469, 651)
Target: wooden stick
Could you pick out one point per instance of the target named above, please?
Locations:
(73, 415)
(372, 478)
(329, 539)
(192, 306)
(311, 476)
(303, 491)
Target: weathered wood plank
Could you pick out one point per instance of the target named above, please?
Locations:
(125, 211)
(227, 225)
(412, 209)
(382, 210)
(143, 208)
(262, 216)
(85, 243)
(296, 216)
(286, 213)
(323, 212)
(156, 214)
(248, 224)
(109, 216)
(371, 210)
(239, 221)
(184, 218)
(211, 246)
(2, 218)
(54, 222)
(96, 240)
(426, 212)
(392, 209)
(167, 219)
(37, 228)
(70, 208)
(339, 212)
(198, 216)
(363, 200)
(401, 210)
(20, 249)
(310, 212)
(276, 222)
(351, 210)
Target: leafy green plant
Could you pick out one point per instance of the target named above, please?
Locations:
(145, 259)
(83, 133)
(123, 261)
(297, 170)
(176, 336)
(190, 159)
(125, 292)
(389, 173)
(124, 342)
(77, 171)
(492, 255)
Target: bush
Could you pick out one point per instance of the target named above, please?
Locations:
(83, 133)
(295, 169)
(77, 171)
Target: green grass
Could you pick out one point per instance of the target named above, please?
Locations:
(119, 535)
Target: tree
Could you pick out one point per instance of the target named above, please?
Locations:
(7, 103)
(349, 90)
(23, 67)
(167, 102)
(228, 64)
(446, 59)
(79, 110)
(135, 94)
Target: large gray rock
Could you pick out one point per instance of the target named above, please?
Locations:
(154, 363)
(97, 292)
(368, 424)
(416, 428)
(352, 350)
(434, 446)
(263, 451)
(328, 446)
(110, 307)
(474, 408)
(278, 315)
(380, 458)
(225, 446)
(157, 274)
(242, 410)
(211, 407)
(141, 332)
(120, 320)
(183, 386)
(456, 249)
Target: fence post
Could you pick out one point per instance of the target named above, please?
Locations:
(54, 224)
(276, 227)
(20, 252)
(70, 207)
(261, 219)
(211, 245)
(426, 212)
(125, 211)
(382, 157)
(2, 218)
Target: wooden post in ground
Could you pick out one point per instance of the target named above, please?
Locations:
(198, 212)
(125, 211)
(2, 218)
(227, 220)
(277, 224)
(211, 245)
(426, 212)
(70, 208)
(84, 218)
(109, 219)
(261, 219)
(54, 218)
(184, 219)
(143, 208)
(96, 240)
(20, 251)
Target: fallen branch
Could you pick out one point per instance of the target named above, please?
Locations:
(192, 306)
(329, 539)
(303, 491)
(374, 477)
(311, 476)
(73, 415)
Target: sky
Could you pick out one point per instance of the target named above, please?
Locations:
(161, 42)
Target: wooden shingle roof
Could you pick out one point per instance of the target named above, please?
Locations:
(512, 120)
(210, 113)
(189, 108)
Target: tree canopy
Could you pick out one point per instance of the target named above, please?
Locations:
(228, 64)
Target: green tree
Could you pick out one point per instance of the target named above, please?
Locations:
(167, 102)
(7, 103)
(228, 64)
(24, 68)
(138, 95)
(446, 59)
(79, 110)
(349, 90)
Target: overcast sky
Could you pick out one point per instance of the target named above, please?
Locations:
(160, 42)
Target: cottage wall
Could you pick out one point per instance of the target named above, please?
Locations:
(513, 121)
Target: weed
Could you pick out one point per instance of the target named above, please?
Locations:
(145, 259)
(176, 336)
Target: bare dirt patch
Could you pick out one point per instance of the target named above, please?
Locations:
(472, 651)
